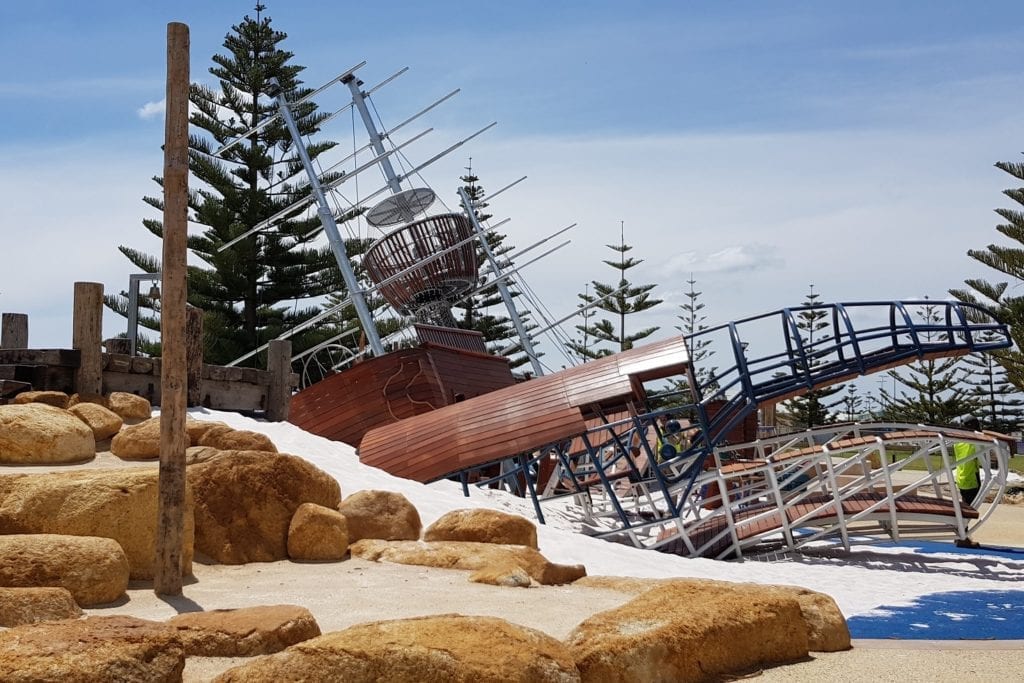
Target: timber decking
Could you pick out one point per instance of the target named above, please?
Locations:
(764, 518)
(519, 418)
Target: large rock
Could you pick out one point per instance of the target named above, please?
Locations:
(119, 503)
(469, 555)
(98, 399)
(317, 533)
(243, 632)
(37, 433)
(121, 649)
(93, 569)
(245, 500)
(827, 630)
(31, 605)
(484, 526)
(197, 428)
(57, 399)
(381, 514)
(130, 407)
(103, 422)
(689, 631)
(139, 441)
(442, 649)
(227, 439)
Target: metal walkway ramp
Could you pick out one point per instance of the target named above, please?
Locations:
(721, 500)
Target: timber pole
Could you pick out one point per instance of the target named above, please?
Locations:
(14, 331)
(173, 378)
(87, 337)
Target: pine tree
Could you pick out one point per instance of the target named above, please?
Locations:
(999, 403)
(812, 408)
(1008, 260)
(937, 394)
(853, 403)
(693, 322)
(250, 292)
(622, 300)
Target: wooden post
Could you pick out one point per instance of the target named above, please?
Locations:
(14, 331)
(194, 353)
(279, 395)
(87, 337)
(173, 381)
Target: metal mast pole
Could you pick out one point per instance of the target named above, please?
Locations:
(359, 98)
(331, 228)
(502, 287)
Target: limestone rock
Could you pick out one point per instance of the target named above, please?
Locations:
(227, 439)
(36, 433)
(381, 514)
(468, 555)
(103, 422)
(245, 500)
(118, 503)
(122, 649)
(130, 407)
(435, 649)
(93, 569)
(689, 631)
(243, 632)
(317, 533)
(510, 575)
(483, 525)
(31, 605)
(57, 399)
(140, 441)
(827, 630)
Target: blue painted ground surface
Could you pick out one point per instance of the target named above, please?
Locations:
(963, 615)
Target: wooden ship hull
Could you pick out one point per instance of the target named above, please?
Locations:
(399, 385)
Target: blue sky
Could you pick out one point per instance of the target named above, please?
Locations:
(760, 146)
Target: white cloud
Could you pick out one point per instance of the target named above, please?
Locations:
(152, 109)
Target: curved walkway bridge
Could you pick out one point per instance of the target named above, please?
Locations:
(586, 441)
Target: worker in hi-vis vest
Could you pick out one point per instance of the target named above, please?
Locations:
(967, 474)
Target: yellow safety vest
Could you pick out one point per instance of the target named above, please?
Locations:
(967, 471)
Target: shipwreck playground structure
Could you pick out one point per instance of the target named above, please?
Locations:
(584, 442)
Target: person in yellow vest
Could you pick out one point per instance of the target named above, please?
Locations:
(967, 475)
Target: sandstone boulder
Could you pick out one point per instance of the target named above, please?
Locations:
(509, 575)
(119, 503)
(140, 441)
(93, 569)
(689, 631)
(243, 632)
(421, 650)
(227, 439)
(130, 407)
(37, 433)
(484, 526)
(57, 399)
(122, 649)
(31, 605)
(245, 500)
(317, 533)
(469, 555)
(103, 422)
(381, 514)
(197, 428)
(98, 399)
(197, 454)
(827, 630)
